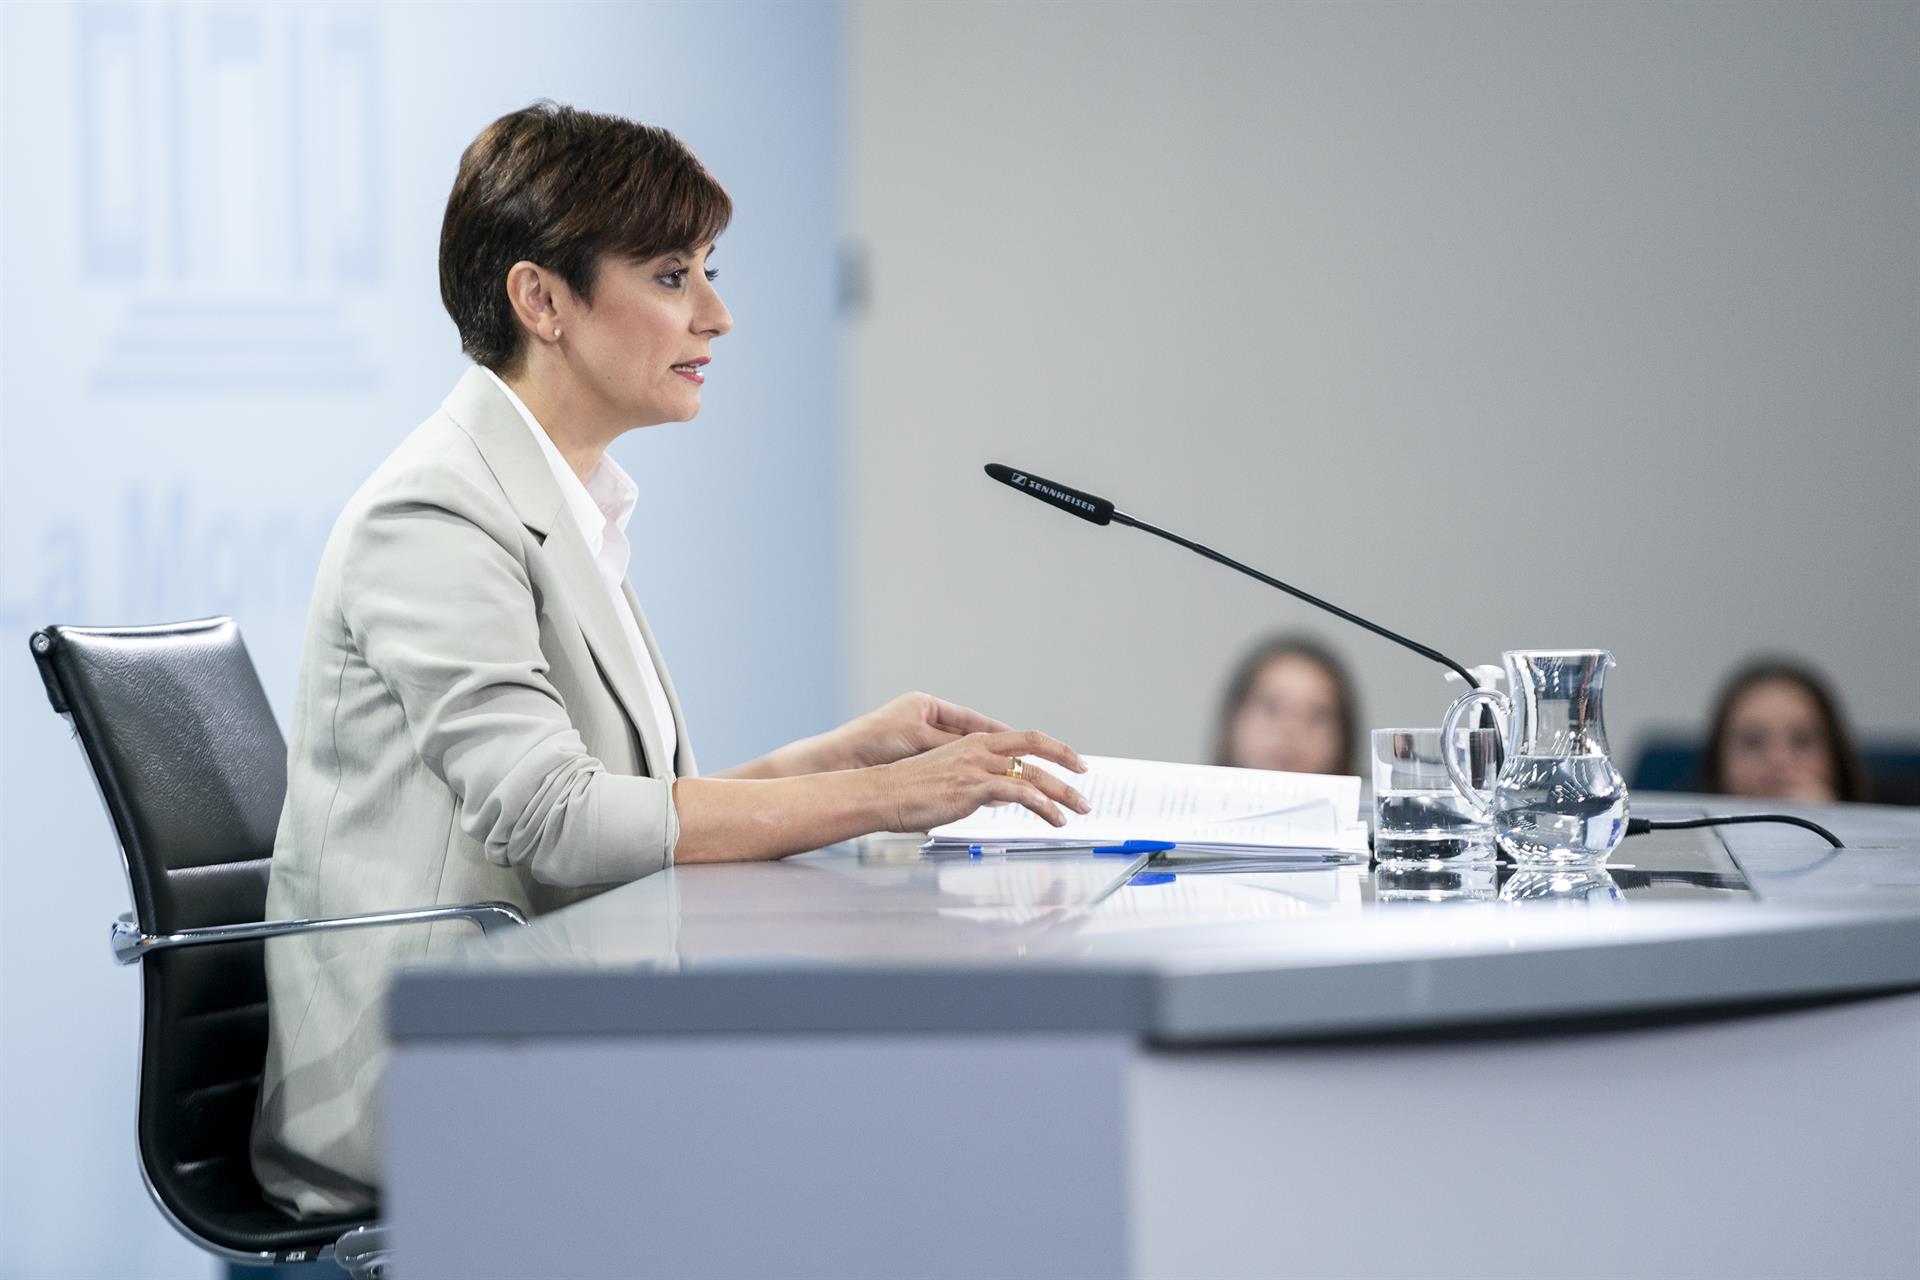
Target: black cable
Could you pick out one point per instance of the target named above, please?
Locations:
(1421, 649)
(1641, 826)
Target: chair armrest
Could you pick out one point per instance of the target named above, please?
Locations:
(364, 1252)
(129, 944)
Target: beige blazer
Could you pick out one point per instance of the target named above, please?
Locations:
(470, 725)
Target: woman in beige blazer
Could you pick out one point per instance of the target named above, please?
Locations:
(482, 712)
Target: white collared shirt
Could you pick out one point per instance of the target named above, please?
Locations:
(601, 508)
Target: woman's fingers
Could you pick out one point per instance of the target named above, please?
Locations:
(1030, 742)
(1054, 787)
(929, 736)
(963, 720)
(974, 771)
(1007, 791)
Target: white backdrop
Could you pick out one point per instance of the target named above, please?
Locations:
(1420, 305)
(1510, 325)
(226, 218)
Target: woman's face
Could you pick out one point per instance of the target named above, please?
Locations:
(643, 344)
(1290, 720)
(1776, 745)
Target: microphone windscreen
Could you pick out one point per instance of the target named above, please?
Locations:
(1071, 501)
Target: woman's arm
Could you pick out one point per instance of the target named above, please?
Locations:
(809, 755)
(745, 819)
(908, 725)
(441, 607)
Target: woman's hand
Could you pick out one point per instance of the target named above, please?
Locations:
(908, 725)
(948, 782)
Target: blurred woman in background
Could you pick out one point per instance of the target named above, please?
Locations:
(1778, 733)
(1288, 706)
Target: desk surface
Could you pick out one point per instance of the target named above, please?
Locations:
(874, 936)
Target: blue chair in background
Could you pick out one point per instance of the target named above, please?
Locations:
(1672, 763)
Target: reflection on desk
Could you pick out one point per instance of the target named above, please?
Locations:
(1219, 952)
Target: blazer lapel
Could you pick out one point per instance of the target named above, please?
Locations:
(606, 637)
(683, 763)
(507, 443)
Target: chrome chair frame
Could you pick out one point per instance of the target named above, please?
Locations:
(362, 1252)
(130, 945)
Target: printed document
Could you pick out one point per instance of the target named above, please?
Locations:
(1188, 804)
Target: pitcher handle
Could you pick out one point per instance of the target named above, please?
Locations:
(1479, 801)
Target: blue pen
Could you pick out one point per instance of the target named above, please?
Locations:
(1036, 846)
(1127, 848)
(1133, 848)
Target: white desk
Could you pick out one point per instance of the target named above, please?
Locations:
(862, 1062)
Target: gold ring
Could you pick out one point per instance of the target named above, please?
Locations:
(1015, 769)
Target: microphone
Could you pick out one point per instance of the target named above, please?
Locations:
(1071, 501)
(1100, 511)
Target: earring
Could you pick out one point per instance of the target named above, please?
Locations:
(556, 331)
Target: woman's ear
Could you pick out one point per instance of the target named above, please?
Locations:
(537, 299)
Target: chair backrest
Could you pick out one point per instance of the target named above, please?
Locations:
(1666, 764)
(188, 757)
(193, 770)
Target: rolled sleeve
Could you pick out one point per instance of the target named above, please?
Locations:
(443, 610)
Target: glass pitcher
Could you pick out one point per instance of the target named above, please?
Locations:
(1558, 800)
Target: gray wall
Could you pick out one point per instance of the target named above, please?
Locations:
(1512, 325)
(227, 219)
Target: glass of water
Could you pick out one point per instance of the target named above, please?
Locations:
(1418, 814)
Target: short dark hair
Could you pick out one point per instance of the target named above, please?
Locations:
(563, 188)
(1240, 688)
(1850, 779)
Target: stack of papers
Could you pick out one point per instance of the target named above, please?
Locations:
(1197, 808)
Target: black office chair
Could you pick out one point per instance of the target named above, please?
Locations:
(192, 769)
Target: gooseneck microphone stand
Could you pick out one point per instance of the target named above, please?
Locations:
(1096, 510)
